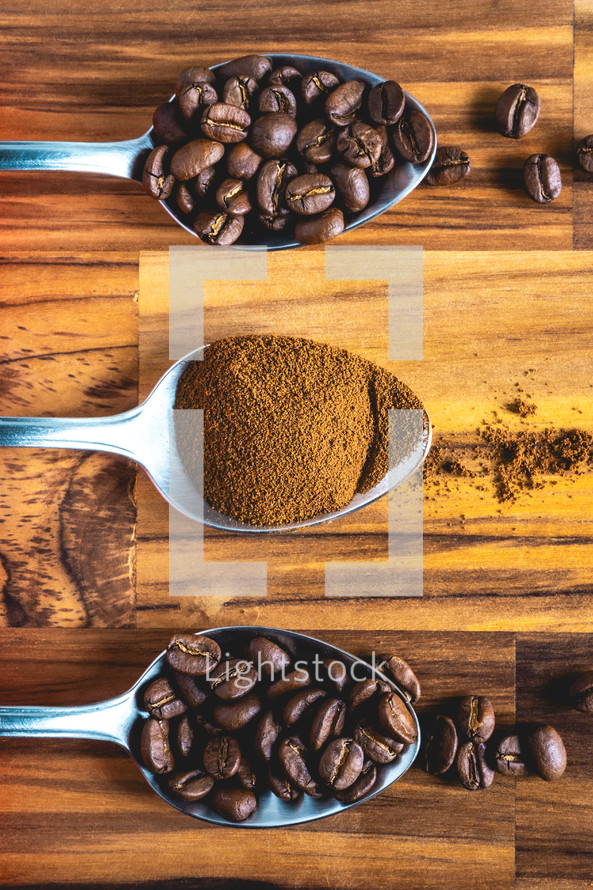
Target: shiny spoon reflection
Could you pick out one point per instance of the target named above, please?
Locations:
(120, 720)
(126, 159)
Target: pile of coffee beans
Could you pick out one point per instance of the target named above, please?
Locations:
(249, 150)
(224, 728)
(465, 744)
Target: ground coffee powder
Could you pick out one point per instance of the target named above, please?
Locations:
(292, 428)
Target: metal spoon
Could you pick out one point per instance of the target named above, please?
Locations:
(148, 435)
(120, 720)
(126, 159)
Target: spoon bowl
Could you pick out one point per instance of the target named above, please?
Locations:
(148, 434)
(126, 159)
(120, 720)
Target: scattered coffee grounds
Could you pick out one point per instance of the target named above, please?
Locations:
(223, 728)
(521, 407)
(292, 428)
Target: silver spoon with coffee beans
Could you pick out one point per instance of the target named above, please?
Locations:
(253, 726)
(363, 145)
(152, 434)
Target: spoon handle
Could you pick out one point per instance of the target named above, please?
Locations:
(124, 159)
(108, 721)
(116, 434)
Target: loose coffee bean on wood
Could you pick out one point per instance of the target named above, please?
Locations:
(517, 110)
(585, 154)
(475, 718)
(439, 746)
(541, 175)
(581, 693)
(510, 760)
(472, 768)
(450, 165)
(547, 752)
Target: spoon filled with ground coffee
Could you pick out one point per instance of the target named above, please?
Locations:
(249, 725)
(291, 433)
(223, 151)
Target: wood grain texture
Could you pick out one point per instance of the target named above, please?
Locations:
(73, 798)
(583, 120)
(489, 319)
(456, 61)
(68, 341)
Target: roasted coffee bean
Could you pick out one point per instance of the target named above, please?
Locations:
(450, 165)
(155, 746)
(205, 725)
(300, 703)
(161, 700)
(367, 691)
(581, 693)
(272, 134)
(309, 194)
(185, 200)
(292, 755)
(234, 804)
(268, 657)
(266, 736)
(222, 757)
(318, 85)
(194, 90)
(474, 773)
(585, 154)
(285, 76)
(271, 189)
(328, 722)
(233, 678)
(413, 137)
(237, 714)
(232, 197)
(218, 228)
(168, 124)
(193, 654)
(278, 98)
(361, 787)
(475, 718)
(509, 757)
(158, 182)
(343, 103)
(189, 691)
(386, 102)
(239, 91)
(316, 141)
(396, 719)
(439, 746)
(246, 775)
(191, 785)
(517, 110)
(317, 229)
(359, 144)
(352, 186)
(281, 785)
(185, 737)
(400, 671)
(204, 182)
(547, 752)
(291, 682)
(376, 745)
(225, 123)
(341, 764)
(242, 162)
(334, 674)
(541, 175)
(247, 66)
(195, 156)
(274, 223)
(386, 160)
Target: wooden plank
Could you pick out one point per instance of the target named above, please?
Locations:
(69, 334)
(583, 122)
(490, 318)
(88, 801)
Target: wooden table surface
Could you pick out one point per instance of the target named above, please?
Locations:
(508, 598)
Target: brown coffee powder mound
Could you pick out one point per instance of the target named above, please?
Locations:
(292, 428)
